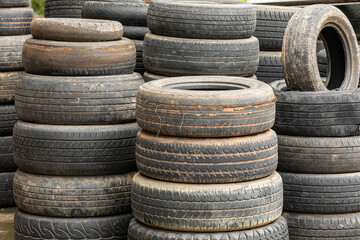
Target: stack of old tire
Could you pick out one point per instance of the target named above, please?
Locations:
(75, 141)
(132, 14)
(206, 157)
(200, 38)
(15, 18)
(318, 129)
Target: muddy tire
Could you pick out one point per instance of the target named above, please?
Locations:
(14, 3)
(72, 196)
(182, 56)
(352, 12)
(15, 21)
(321, 193)
(319, 155)
(79, 58)
(134, 32)
(75, 150)
(77, 100)
(271, 22)
(221, 160)
(76, 30)
(8, 81)
(10, 52)
(320, 114)
(276, 230)
(139, 45)
(8, 119)
(217, 109)
(32, 227)
(300, 55)
(213, 19)
(7, 163)
(206, 207)
(304, 226)
(127, 13)
(6, 189)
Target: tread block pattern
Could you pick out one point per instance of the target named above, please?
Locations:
(8, 119)
(6, 189)
(15, 21)
(7, 163)
(11, 52)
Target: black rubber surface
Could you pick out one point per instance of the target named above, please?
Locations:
(15, 3)
(32, 227)
(139, 67)
(7, 163)
(15, 21)
(8, 82)
(64, 8)
(135, 32)
(206, 207)
(6, 189)
(11, 52)
(77, 100)
(352, 12)
(8, 119)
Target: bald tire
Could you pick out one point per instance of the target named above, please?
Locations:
(303, 226)
(7, 163)
(221, 160)
(6, 189)
(11, 52)
(33, 227)
(277, 230)
(8, 81)
(15, 21)
(321, 193)
(58, 196)
(206, 207)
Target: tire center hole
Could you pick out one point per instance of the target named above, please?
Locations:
(207, 86)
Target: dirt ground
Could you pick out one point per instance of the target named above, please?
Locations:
(7, 223)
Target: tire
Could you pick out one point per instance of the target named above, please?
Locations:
(222, 107)
(213, 19)
(276, 230)
(128, 13)
(134, 32)
(320, 114)
(10, 52)
(323, 226)
(206, 207)
(63, 8)
(77, 100)
(222, 160)
(181, 56)
(270, 67)
(7, 163)
(139, 59)
(76, 30)
(15, 21)
(73, 197)
(8, 81)
(6, 189)
(151, 76)
(34, 227)
(319, 155)
(79, 58)
(352, 12)
(75, 150)
(321, 193)
(8, 119)
(14, 3)
(271, 22)
(300, 55)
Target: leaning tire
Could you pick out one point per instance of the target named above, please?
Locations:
(221, 160)
(276, 230)
(8, 119)
(206, 207)
(8, 81)
(320, 114)
(304, 226)
(213, 19)
(75, 150)
(181, 56)
(7, 163)
(76, 30)
(321, 193)
(72, 196)
(10, 52)
(15, 3)
(6, 189)
(77, 100)
(79, 58)
(300, 55)
(319, 155)
(32, 227)
(15, 21)
(241, 107)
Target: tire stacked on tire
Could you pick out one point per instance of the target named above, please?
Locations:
(75, 141)
(206, 157)
(15, 18)
(132, 14)
(318, 130)
(217, 40)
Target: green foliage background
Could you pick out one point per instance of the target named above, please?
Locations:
(38, 6)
